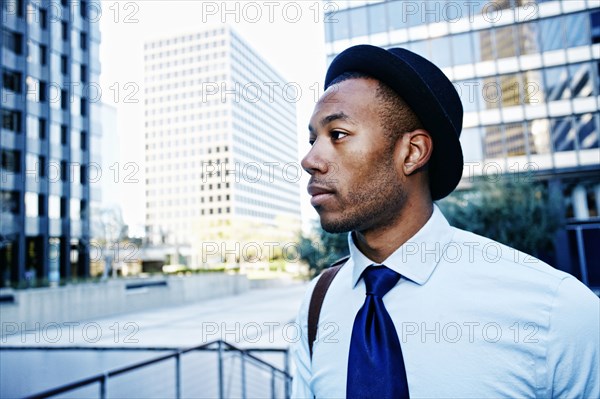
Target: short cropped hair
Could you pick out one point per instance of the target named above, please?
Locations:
(396, 116)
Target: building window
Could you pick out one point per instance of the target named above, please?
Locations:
(11, 80)
(31, 204)
(63, 134)
(83, 106)
(63, 207)
(43, 93)
(13, 41)
(43, 54)
(12, 7)
(55, 133)
(83, 142)
(11, 161)
(64, 30)
(562, 139)
(54, 207)
(581, 80)
(440, 51)
(552, 33)
(43, 18)
(42, 166)
(557, 83)
(64, 64)
(82, 175)
(83, 73)
(63, 99)
(11, 120)
(42, 128)
(83, 40)
(468, 99)
(595, 27)
(377, 19)
(577, 29)
(63, 170)
(10, 202)
(41, 204)
(75, 210)
(83, 9)
(506, 43)
(462, 49)
(587, 135)
(358, 21)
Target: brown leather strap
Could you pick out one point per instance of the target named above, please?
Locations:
(317, 297)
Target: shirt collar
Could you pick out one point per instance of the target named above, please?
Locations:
(417, 258)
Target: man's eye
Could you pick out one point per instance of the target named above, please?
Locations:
(336, 135)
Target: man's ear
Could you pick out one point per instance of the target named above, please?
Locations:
(418, 146)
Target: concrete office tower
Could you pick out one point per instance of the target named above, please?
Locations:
(528, 76)
(50, 127)
(221, 147)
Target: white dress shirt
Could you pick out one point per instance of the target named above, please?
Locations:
(475, 319)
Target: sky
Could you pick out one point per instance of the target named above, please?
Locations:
(288, 35)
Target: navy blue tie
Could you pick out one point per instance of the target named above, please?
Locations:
(375, 366)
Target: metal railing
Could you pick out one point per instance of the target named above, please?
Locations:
(275, 382)
(578, 229)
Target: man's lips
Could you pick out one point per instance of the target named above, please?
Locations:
(317, 190)
(319, 194)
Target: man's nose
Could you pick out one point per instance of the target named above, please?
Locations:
(314, 162)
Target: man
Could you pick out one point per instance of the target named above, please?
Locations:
(422, 309)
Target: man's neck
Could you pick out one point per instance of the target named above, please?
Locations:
(379, 244)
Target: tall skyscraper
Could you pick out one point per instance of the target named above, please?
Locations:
(221, 146)
(50, 125)
(528, 75)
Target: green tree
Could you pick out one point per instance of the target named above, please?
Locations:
(513, 210)
(320, 249)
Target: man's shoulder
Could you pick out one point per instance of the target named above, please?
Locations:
(484, 250)
(528, 275)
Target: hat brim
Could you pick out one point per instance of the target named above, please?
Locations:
(405, 73)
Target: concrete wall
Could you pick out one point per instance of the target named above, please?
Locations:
(95, 300)
(273, 282)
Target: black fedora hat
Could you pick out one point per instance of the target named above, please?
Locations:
(429, 93)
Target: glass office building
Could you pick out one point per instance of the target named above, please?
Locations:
(50, 128)
(528, 76)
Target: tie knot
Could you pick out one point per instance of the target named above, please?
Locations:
(379, 280)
